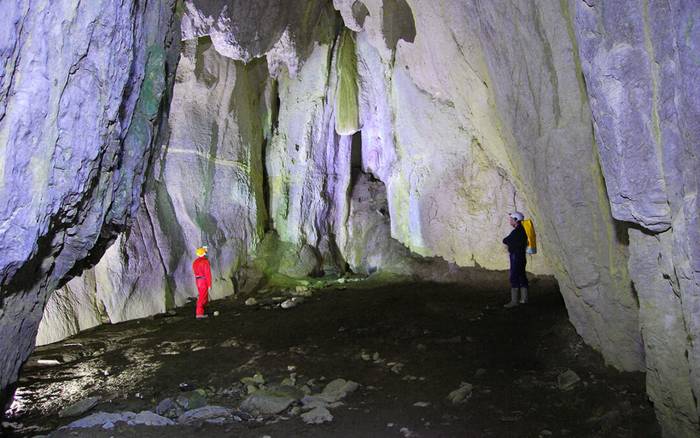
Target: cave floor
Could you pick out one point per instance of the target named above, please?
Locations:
(403, 343)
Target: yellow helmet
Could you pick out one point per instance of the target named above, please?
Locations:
(201, 251)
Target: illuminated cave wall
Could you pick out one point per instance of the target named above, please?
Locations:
(366, 134)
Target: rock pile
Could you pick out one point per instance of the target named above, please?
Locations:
(264, 403)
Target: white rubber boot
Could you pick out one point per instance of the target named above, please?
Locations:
(513, 298)
(523, 295)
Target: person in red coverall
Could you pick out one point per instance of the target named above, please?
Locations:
(202, 276)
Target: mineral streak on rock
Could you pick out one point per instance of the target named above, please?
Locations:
(347, 112)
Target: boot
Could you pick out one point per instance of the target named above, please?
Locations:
(513, 298)
(523, 295)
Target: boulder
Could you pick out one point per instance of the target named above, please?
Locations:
(267, 402)
(148, 418)
(338, 389)
(301, 263)
(109, 420)
(210, 414)
(317, 415)
(80, 407)
(462, 394)
(192, 399)
(169, 408)
(567, 380)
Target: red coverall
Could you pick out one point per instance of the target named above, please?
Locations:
(202, 276)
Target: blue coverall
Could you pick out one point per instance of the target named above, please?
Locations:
(517, 243)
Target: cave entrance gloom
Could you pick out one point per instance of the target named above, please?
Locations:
(408, 345)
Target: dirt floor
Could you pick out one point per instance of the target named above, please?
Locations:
(408, 346)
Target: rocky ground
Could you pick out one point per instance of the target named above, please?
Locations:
(351, 359)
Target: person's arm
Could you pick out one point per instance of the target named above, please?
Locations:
(508, 240)
(522, 237)
(208, 274)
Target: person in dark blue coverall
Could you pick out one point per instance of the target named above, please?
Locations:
(517, 244)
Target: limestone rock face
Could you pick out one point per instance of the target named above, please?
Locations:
(71, 309)
(410, 132)
(669, 367)
(543, 109)
(307, 162)
(623, 89)
(641, 69)
(244, 29)
(81, 86)
(206, 189)
(207, 186)
(455, 125)
(371, 247)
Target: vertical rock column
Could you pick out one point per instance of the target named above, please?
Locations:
(641, 64)
(81, 87)
(308, 163)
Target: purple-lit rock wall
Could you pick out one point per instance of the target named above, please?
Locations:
(206, 188)
(81, 87)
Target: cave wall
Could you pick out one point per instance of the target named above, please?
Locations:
(81, 88)
(207, 185)
(641, 62)
(464, 111)
(436, 103)
(206, 188)
(506, 120)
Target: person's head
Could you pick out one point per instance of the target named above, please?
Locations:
(201, 251)
(515, 218)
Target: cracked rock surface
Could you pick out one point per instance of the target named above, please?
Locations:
(81, 87)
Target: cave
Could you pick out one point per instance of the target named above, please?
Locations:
(351, 167)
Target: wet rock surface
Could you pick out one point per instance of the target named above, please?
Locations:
(336, 357)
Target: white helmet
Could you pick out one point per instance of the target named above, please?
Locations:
(517, 216)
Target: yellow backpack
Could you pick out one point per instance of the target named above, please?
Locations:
(531, 236)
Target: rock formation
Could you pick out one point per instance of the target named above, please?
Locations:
(366, 134)
(81, 92)
(640, 61)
